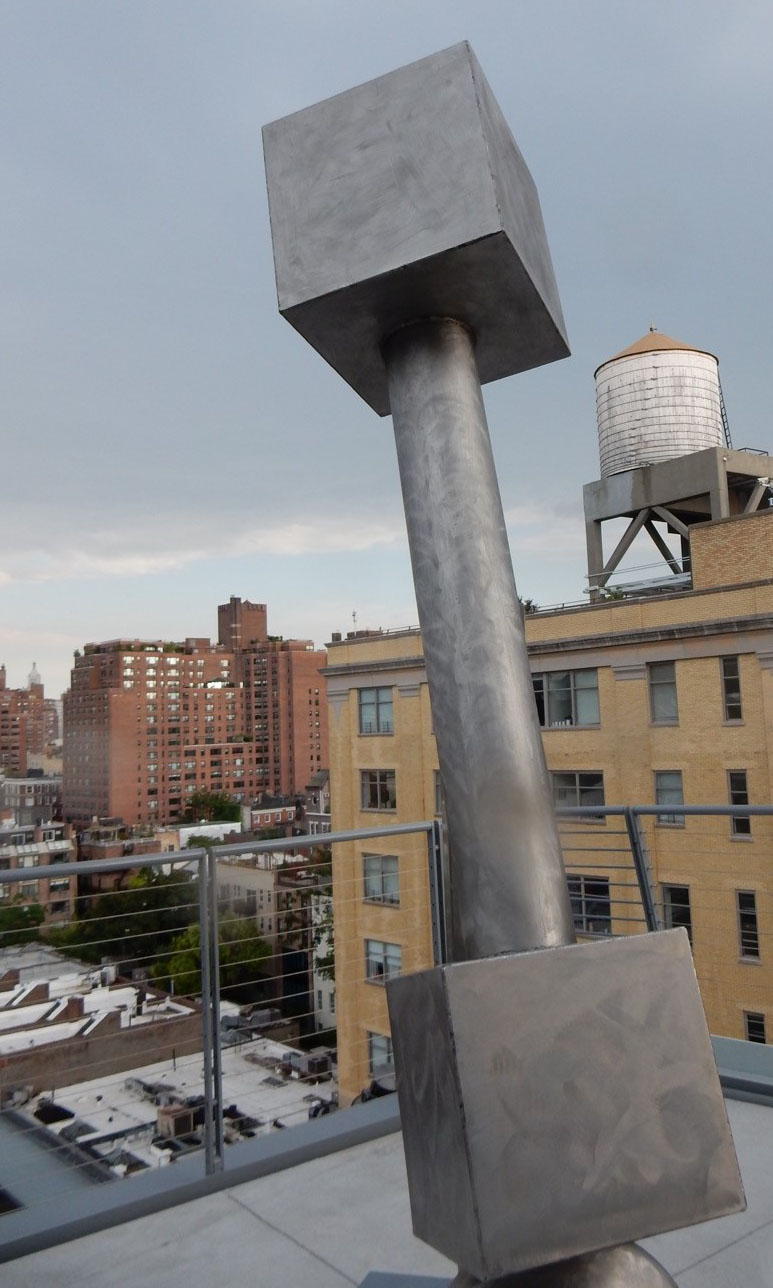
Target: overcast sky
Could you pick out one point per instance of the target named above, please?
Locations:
(168, 440)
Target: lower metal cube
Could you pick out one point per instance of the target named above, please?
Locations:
(560, 1101)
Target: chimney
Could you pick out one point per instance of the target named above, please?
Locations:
(74, 1010)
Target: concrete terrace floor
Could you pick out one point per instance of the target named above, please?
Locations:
(344, 1220)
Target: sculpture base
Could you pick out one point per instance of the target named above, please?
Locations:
(625, 1267)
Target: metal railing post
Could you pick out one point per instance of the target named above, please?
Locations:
(206, 1013)
(214, 982)
(437, 893)
(649, 903)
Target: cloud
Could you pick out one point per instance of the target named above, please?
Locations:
(537, 531)
(323, 537)
(96, 555)
(174, 542)
(16, 636)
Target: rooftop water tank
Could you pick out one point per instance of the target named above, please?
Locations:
(656, 400)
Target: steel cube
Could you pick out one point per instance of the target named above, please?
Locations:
(406, 198)
(559, 1101)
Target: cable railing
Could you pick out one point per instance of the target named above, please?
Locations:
(172, 1008)
(188, 1014)
(704, 868)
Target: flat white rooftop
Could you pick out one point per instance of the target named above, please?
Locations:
(343, 1220)
(113, 1107)
(23, 1026)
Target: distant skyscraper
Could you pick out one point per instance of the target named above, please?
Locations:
(285, 716)
(147, 724)
(22, 723)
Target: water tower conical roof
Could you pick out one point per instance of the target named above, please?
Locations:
(653, 342)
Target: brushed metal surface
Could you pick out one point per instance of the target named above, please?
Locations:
(441, 1193)
(623, 1267)
(592, 1109)
(507, 885)
(407, 197)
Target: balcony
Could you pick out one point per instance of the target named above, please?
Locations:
(331, 1217)
(310, 1200)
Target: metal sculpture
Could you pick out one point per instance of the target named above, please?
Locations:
(410, 252)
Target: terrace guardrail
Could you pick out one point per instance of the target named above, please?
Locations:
(168, 1020)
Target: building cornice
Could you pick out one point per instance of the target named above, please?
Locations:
(654, 634)
(379, 664)
(610, 639)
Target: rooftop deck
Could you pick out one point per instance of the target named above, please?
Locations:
(343, 1219)
(325, 1203)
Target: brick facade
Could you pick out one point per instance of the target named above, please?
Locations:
(24, 722)
(146, 724)
(728, 616)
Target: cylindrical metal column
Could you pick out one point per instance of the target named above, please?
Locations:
(507, 884)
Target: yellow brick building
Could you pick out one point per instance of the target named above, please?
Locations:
(662, 699)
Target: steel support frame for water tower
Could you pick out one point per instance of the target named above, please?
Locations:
(717, 483)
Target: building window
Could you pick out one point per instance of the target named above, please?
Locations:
(578, 787)
(377, 788)
(376, 710)
(738, 791)
(567, 698)
(381, 878)
(591, 908)
(731, 687)
(439, 798)
(382, 961)
(754, 1026)
(668, 791)
(380, 1057)
(748, 932)
(663, 704)
(676, 908)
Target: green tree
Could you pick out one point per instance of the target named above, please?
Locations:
(131, 924)
(213, 807)
(181, 973)
(241, 955)
(19, 923)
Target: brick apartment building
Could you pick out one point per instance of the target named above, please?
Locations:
(27, 719)
(285, 714)
(36, 799)
(26, 847)
(147, 724)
